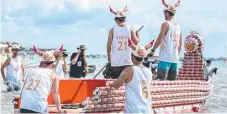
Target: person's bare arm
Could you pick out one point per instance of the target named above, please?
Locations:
(164, 30)
(64, 66)
(74, 60)
(6, 63)
(109, 43)
(55, 91)
(180, 44)
(123, 78)
(23, 70)
(135, 37)
(58, 61)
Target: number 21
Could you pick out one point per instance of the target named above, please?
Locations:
(120, 45)
(31, 81)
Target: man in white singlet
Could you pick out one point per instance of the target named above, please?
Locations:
(38, 84)
(118, 51)
(170, 39)
(15, 70)
(137, 79)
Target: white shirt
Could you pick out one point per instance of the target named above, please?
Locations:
(36, 90)
(120, 51)
(59, 69)
(13, 73)
(138, 96)
(169, 45)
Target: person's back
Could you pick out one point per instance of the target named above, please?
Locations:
(36, 90)
(169, 46)
(138, 96)
(120, 52)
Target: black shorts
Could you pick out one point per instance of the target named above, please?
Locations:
(77, 75)
(27, 111)
(116, 71)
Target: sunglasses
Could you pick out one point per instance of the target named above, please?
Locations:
(15, 49)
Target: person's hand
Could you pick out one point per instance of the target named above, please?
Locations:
(86, 70)
(59, 57)
(108, 59)
(150, 54)
(64, 57)
(79, 51)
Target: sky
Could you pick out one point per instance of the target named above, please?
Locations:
(51, 23)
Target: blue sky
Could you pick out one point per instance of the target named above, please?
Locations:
(50, 23)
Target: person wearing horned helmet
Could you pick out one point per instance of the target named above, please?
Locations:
(137, 80)
(118, 52)
(170, 41)
(59, 66)
(38, 85)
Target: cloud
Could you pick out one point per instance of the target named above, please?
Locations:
(49, 23)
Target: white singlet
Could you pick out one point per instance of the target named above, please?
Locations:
(137, 92)
(59, 70)
(14, 70)
(36, 90)
(120, 51)
(169, 46)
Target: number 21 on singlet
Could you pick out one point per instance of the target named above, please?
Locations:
(122, 45)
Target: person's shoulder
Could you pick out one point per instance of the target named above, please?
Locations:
(165, 24)
(74, 54)
(128, 70)
(8, 58)
(112, 29)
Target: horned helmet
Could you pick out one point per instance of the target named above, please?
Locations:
(139, 50)
(171, 8)
(119, 13)
(41, 53)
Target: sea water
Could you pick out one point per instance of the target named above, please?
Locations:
(217, 103)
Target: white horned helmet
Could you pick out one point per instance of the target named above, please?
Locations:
(171, 8)
(139, 50)
(119, 13)
(55, 52)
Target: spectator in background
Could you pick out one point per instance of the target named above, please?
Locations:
(15, 70)
(78, 66)
(60, 66)
(207, 71)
